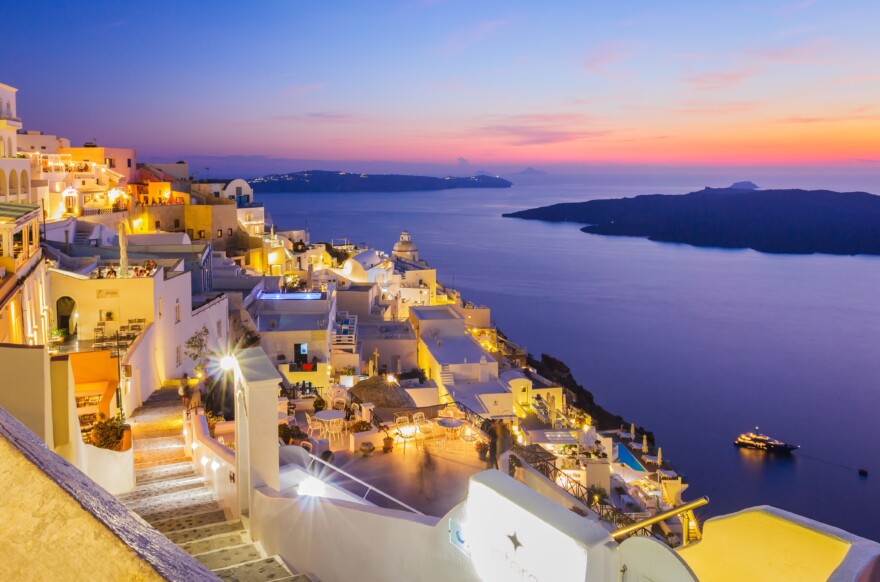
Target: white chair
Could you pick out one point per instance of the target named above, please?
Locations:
(405, 430)
(425, 428)
(356, 413)
(337, 425)
(339, 404)
(314, 425)
(418, 417)
(307, 446)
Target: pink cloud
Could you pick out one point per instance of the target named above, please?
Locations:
(805, 53)
(607, 55)
(716, 80)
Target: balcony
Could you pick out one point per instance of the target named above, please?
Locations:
(10, 119)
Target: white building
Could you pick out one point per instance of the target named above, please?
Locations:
(15, 182)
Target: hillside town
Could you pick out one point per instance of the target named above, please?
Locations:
(211, 395)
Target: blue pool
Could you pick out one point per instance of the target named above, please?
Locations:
(626, 457)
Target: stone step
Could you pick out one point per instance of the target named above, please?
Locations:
(226, 540)
(156, 443)
(171, 501)
(233, 556)
(259, 571)
(162, 487)
(176, 524)
(160, 462)
(192, 509)
(204, 532)
(163, 454)
(165, 472)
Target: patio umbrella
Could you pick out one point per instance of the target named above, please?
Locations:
(659, 457)
(632, 430)
(645, 443)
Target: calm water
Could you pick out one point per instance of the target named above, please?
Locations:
(697, 345)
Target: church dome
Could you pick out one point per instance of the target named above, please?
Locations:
(405, 245)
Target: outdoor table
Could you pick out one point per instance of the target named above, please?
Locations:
(450, 424)
(325, 416)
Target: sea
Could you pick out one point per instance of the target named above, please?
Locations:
(695, 344)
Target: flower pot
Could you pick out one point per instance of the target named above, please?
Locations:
(387, 444)
(367, 449)
(483, 454)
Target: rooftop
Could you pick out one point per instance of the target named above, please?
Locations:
(10, 212)
(434, 313)
(461, 349)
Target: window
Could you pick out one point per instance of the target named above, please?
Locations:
(176, 223)
(129, 162)
(83, 182)
(157, 225)
(179, 355)
(219, 233)
(110, 162)
(228, 232)
(219, 328)
(160, 308)
(201, 234)
(177, 313)
(238, 190)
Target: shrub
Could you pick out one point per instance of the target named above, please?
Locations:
(107, 433)
(213, 419)
(320, 404)
(360, 426)
(481, 446)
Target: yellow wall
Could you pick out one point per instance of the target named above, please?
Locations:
(759, 546)
(47, 535)
(84, 154)
(25, 390)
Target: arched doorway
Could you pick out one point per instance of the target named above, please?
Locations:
(25, 184)
(65, 309)
(13, 185)
(4, 190)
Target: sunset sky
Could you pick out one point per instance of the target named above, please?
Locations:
(579, 82)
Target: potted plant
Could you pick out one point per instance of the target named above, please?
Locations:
(109, 433)
(388, 441)
(482, 448)
(319, 404)
(367, 449)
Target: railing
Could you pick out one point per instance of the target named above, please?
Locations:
(574, 488)
(250, 205)
(94, 211)
(9, 117)
(369, 487)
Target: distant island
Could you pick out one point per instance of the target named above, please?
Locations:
(324, 181)
(769, 221)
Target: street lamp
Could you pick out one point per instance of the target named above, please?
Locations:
(227, 363)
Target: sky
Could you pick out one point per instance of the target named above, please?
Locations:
(468, 85)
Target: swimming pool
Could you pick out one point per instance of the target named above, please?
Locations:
(626, 457)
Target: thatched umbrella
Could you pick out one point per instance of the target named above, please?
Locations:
(645, 443)
(659, 457)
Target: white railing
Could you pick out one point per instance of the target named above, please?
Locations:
(214, 462)
(369, 487)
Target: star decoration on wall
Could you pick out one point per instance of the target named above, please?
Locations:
(515, 541)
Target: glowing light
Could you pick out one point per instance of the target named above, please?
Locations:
(227, 363)
(194, 446)
(204, 461)
(184, 431)
(312, 487)
(215, 465)
(392, 379)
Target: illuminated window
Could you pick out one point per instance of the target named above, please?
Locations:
(219, 233)
(228, 232)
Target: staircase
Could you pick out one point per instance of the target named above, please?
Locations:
(173, 498)
(81, 237)
(446, 377)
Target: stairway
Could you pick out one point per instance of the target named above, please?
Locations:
(173, 498)
(81, 237)
(446, 377)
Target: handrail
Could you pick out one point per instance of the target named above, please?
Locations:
(689, 506)
(367, 485)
